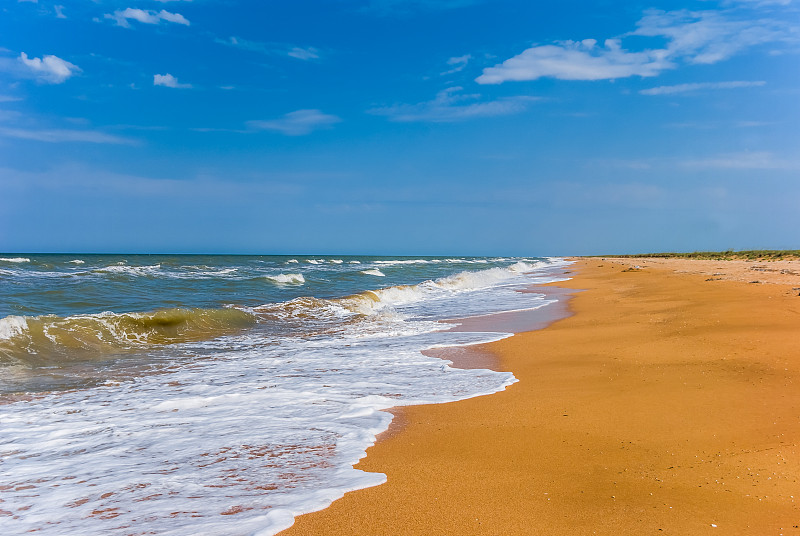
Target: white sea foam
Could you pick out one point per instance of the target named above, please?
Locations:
(354, 262)
(336, 261)
(12, 326)
(249, 432)
(292, 261)
(404, 261)
(122, 268)
(14, 259)
(195, 272)
(480, 292)
(287, 279)
(373, 271)
(262, 427)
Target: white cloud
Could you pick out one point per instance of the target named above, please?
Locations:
(308, 53)
(177, 18)
(576, 60)
(449, 105)
(707, 125)
(167, 80)
(685, 88)
(707, 37)
(50, 69)
(758, 3)
(703, 37)
(392, 7)
(457, 64)
(145, 17)
(297, 123)
(746, 160)
(9, 98)
(59, 12)
(278, 49)
(65, 135)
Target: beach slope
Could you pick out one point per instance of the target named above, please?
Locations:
(669, 403)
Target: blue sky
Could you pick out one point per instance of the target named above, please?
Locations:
(399, 126)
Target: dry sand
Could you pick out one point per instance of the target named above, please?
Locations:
(668, 404)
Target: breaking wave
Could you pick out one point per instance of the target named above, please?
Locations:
(374, 300)
(287, 279)
(52, 340)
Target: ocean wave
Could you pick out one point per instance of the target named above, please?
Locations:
(287, 279)
(77, 261)
(373, 271)
(50, 339)
(14, 259)
(303, 308)
(292, 261)
(373, 301)
(11, 326)
(196, 272)
(124, 269)
(405, 261)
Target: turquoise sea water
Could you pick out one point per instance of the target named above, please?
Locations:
(222, 394)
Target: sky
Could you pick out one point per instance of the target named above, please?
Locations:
(413, 127)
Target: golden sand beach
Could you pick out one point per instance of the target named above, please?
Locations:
(668, 403)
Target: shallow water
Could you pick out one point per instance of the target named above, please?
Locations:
(222, 395)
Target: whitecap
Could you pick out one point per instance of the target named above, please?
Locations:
(11, 326)
(287, 279)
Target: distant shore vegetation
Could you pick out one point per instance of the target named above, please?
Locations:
(729, 255)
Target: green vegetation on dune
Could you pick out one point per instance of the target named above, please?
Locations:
(730, 255)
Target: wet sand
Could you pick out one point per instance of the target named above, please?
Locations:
(669, 403)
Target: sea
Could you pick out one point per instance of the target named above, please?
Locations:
(225, 395)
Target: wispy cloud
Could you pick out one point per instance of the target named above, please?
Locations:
(273, 49)
(450, 105)
(308, 53)
(145, 17)
(65, 135)
(707, 37)
(746, 160)
(707, 125)
(297, 123)
(576, 60)
(167, 80)
(59, 12)
(457, 64)
(686, 88)
(48, 69)
(395, 7)
(757, 3)
(703, 37)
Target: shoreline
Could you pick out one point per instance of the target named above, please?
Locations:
(664, 405)
(481, 355)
